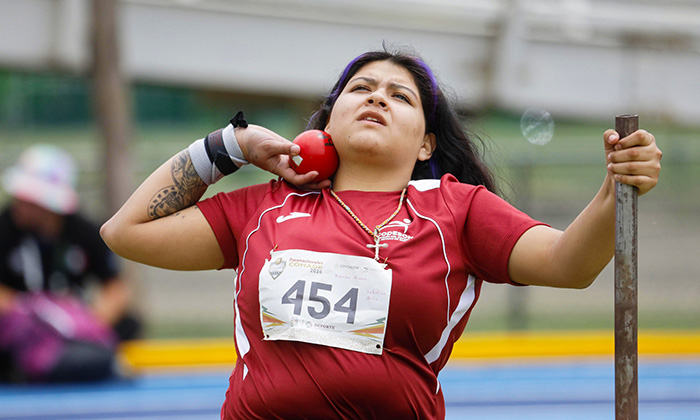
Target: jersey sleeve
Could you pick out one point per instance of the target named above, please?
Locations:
(490, 227)
(228, 213)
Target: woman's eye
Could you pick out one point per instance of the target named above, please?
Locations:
(359, 87)
(402, 97)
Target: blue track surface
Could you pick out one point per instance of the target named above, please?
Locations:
(668, 390)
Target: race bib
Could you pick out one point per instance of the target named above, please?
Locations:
(324, 298)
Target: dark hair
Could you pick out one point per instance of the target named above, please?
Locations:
(456, 151)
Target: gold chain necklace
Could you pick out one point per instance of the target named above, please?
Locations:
(375, 234)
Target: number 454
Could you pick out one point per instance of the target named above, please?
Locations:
(296, 296)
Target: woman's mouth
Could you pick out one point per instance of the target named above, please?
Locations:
(372, 117)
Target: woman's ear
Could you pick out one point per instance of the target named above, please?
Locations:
(328, 124)
(428, 147)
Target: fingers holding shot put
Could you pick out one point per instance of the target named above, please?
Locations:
(269, 151)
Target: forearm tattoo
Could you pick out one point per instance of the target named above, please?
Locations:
(187, 189)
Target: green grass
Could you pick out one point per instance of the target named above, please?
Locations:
(167, 330)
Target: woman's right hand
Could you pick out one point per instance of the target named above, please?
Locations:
(270, 151)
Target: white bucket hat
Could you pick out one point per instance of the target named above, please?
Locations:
(46, 176)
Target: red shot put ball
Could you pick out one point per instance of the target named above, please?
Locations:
(317, 154)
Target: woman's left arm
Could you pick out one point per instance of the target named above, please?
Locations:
(573, 258)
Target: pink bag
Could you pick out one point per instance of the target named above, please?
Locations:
(40, 326)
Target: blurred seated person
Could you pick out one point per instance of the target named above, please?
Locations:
(63, 305)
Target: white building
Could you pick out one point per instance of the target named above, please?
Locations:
(587, 58)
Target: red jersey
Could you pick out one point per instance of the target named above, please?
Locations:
(447, 239)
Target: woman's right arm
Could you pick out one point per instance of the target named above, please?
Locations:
(160, 224)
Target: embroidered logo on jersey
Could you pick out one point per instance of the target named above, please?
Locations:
(277, 267)
(394, 235)
(400, 223)
(292, 215)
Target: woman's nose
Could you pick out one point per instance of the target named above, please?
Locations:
(377, 97)
(379, 102)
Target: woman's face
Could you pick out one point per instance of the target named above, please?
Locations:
(379, 117)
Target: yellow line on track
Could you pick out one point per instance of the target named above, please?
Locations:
(473, 346)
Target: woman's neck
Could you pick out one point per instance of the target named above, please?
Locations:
(366, 180)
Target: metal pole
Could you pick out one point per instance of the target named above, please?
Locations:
(111, 94)
(626, 397)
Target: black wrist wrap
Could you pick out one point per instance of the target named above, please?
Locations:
(214, 145)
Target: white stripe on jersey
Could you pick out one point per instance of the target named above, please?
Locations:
(425, 184)
(242, 341)
(447, 275)
(444, 255)
(466, 299)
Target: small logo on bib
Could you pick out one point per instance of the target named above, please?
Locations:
(277, 267)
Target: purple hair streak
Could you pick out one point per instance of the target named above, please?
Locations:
(344, 77)
(434, 88)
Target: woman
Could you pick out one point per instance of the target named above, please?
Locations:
(349, 296)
